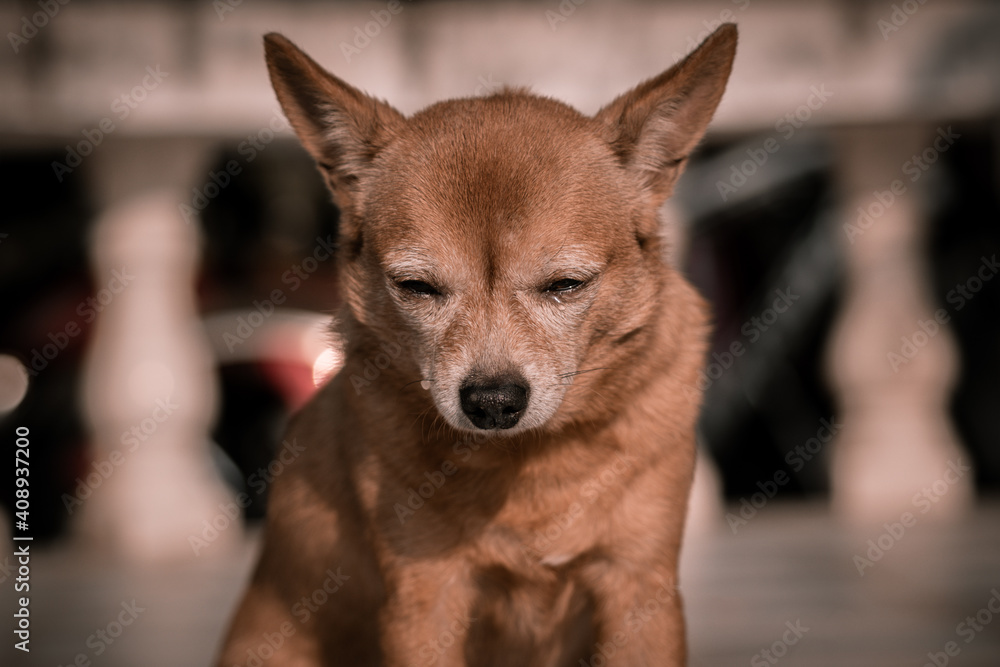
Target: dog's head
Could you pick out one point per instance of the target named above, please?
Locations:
(509, 241)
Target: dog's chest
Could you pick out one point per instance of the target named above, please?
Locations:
(532, 603)
(534, 617)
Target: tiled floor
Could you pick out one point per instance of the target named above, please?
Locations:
(791, 567)
(793, 564)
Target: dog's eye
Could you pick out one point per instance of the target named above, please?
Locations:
(564, 285)
(418, 287)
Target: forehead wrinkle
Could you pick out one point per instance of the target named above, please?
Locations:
(410, 260)
(575, 256)
(522, 266)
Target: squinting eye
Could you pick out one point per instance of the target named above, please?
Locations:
(418, 287)
(564, 285)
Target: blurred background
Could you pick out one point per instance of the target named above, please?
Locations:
(166, 281)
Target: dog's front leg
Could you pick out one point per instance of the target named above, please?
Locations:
(265, 632)
(426, 620)
(641, 620)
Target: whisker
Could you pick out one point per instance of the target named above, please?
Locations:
(421, 416)
(416, 381)
(589, 370)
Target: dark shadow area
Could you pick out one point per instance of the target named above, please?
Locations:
(963, 248)
(49, 306)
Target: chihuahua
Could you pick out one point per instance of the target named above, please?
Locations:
(499, 473)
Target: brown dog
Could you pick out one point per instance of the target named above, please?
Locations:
(499, 473)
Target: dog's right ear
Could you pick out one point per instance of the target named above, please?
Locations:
(341, 127)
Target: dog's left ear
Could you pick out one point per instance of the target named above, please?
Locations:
(654, 127)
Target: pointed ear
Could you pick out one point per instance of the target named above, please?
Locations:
(341, 127)
(654, 127)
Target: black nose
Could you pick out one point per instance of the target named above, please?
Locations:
(494, 403)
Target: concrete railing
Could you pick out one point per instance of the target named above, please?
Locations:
(111, 85)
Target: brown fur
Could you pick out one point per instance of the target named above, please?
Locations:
(407, 535)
